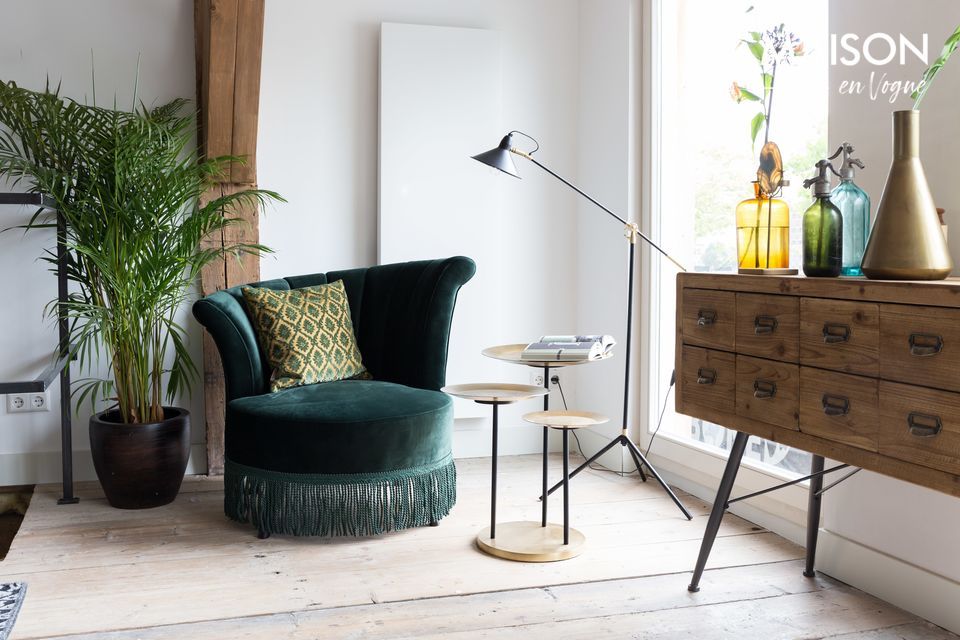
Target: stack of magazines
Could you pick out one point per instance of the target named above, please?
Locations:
(568, 348)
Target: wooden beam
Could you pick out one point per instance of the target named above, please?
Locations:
(229, 41)
(220, 67)
(249, 45)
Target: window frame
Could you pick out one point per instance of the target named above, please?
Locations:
(698, 464)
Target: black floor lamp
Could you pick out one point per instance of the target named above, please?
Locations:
(500, 158)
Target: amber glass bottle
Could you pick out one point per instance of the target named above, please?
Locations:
(763, 232)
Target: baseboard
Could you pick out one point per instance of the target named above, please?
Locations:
(471, 439)
(917, 590)
(42, 467)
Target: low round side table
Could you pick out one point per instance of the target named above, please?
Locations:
(495, 394)
(566, 421)
(513, 353)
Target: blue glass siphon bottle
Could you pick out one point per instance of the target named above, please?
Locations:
(854, 205)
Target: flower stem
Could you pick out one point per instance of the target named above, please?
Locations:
(773, 80)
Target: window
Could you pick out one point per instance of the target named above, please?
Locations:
(704, 161)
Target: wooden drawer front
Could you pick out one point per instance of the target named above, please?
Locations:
(709, 318)
(840, 335)
(708, 380)
(920, 425)
(839, 407)
(768, 391)
(920, 345)
(768, 326)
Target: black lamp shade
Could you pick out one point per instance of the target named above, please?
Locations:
(499, 158)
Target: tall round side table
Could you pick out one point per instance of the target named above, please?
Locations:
(496, 394)
(513, 353)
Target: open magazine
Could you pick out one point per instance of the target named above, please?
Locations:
(568, 348)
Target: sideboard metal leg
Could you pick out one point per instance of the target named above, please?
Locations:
(813, 514)
(719, 507)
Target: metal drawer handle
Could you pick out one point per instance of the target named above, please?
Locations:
(923, 425)
(706, 376)
(925, 344)
(835, 405)
(706, 317)
(764, 325)
(833, 333)
(764, 389)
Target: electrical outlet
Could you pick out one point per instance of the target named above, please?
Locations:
(39, 402)
(536, 378)
(27, 402)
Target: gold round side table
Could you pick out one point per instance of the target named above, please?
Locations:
(513, 353)
(570, 543)
(495, 394)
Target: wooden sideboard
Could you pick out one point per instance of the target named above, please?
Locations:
(861, 371)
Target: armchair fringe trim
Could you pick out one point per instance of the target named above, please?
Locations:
(361, 504)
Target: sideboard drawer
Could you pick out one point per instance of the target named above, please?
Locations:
(709, 318)
(768, 326)
(839, 407)
(920, 425)
(768, 391)
(920, 345)
(840, 335)
(708, 380)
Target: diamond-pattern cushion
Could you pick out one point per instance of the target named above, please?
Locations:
(306, 334)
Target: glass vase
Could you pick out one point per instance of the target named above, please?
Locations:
(763, 233)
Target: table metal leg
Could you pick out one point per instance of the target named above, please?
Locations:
(493, 479)
(546, 452)
(546, 446)
(566, 486)
(813, 513)
(719, 507)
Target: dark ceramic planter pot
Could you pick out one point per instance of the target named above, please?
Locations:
(140, 465)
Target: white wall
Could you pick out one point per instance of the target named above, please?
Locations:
(608, 170)
(883, 535)
(318, 147)
(47, 38)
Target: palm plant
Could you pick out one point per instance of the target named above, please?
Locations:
(128, 186)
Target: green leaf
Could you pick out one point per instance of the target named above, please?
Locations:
(755, 125)
(767, 85)
(756, 49)
(749, 95)
(756, 35)
(948, 48)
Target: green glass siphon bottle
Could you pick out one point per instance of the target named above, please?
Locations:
(822, 229)
(854, 205)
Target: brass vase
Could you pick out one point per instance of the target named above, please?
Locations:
(906, 242)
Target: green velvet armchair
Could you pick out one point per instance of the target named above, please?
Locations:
(353, 457)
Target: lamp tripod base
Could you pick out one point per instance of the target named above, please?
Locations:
(639, 459)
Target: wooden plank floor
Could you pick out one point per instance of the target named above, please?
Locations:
(184, 571)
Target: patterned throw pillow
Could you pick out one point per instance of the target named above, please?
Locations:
(306, 334)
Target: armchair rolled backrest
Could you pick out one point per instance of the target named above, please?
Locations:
(401, 317)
